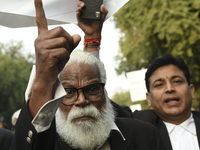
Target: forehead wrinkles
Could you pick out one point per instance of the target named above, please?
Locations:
(82, 71)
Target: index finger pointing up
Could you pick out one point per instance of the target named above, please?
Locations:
(40, 17)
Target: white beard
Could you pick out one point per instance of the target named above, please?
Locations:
(86, 135)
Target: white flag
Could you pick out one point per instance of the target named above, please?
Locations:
(21, 13)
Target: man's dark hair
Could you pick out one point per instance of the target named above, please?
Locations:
(3, 121)
(167, 59)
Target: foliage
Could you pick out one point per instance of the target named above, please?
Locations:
(123, 98)
(196, 101)
(15, 70)
(151, 28)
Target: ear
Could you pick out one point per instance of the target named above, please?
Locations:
(192, 89)
(148, 99)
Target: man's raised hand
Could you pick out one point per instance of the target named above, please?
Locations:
(91, 28)
(52, 49)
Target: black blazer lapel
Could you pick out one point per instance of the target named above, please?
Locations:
(164, 134)
(196, 116)
(116, 141)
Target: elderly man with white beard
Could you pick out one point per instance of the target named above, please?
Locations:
(90, 115)
(85, 118)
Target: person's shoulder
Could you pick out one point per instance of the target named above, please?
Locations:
(6, 133)
(141, 134)
(6, 137)
(132, 122)
(196, 114)
(146, 115)
(133, 127)
(144, 112)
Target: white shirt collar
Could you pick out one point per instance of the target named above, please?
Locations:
(60, 91)
(188, 125)
(114, 127)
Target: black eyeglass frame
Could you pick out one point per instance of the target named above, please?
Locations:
(101, 84)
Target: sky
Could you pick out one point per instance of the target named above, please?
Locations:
(109, 48)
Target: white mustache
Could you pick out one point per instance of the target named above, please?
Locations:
(90, 110)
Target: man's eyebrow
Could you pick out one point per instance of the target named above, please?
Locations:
(157, 80)
(161, 79)
(67, 85)
(176, 76)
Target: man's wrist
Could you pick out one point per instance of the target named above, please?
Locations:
(94, 35)
(92, 41)
(92, 44)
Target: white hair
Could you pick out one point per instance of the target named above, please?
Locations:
(79, 56)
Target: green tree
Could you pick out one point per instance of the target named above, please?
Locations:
(151, 28)
(123, 98)
(15, 69)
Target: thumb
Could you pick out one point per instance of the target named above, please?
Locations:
(104, 11)
(76, 40)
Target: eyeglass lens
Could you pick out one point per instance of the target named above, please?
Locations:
(92, 92)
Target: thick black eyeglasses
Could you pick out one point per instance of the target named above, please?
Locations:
(92, 92)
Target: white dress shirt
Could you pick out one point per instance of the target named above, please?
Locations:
(183, 136)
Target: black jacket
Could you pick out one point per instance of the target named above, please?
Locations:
(138, 134)
(151, 117)
(6, 137)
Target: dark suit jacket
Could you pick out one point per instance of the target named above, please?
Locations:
(6, 137)
(151, 117)
(138, 134)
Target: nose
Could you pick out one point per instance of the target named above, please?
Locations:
(169, 88)
(81, 100)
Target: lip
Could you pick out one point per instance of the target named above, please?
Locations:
(83, 118)
(172, 99)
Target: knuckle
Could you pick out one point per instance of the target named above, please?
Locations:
(63, 41)
(36, 43)
(59, 29)
(40, 48)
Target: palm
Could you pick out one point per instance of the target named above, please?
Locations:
(90, 26)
